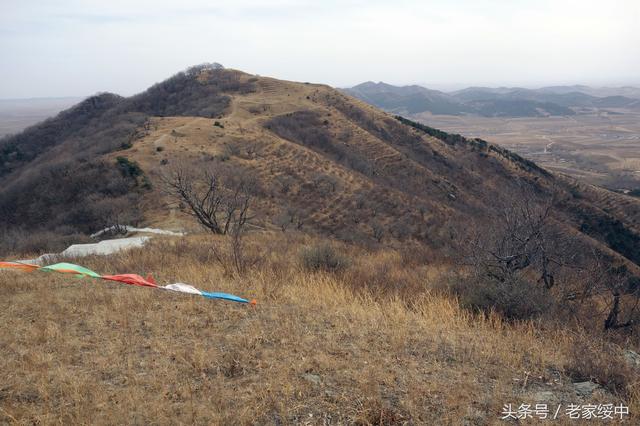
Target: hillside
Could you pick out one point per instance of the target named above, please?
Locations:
(344, 167)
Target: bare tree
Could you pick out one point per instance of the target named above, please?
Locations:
(524, 247)
(202, 195)
(612, 290)
(289, 217)
(511, 260)
(236, 207)
(221, 203)
(521, 237)
(216, 207)
(284, 183)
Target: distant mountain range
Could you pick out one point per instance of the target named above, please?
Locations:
(496, 102)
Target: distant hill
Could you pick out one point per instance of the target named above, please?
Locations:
(343, 167)
(601, 92)
(561, 98)
(407, 99)
(491, 102)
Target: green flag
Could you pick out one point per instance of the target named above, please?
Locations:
(70, 268)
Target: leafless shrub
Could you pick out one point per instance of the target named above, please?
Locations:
(603, 364)
(518, 239)
(513, 260)
(401, 228)
(513, 298)
(289, 218)
(377, 231)
(231, 253)
(17, 242)
(323, 257)
(611, 290)
(324, 184)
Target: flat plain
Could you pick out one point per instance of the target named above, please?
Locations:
(602, 148)
(18, 114)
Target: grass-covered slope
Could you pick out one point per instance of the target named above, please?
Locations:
(359, 345)
(53, 176)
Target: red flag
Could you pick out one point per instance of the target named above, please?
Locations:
(132, 279)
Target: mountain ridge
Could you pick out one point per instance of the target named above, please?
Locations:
(345, 167)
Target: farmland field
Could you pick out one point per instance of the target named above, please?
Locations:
(601, 148)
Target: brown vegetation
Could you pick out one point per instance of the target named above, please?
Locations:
(53, 174)
(326, 346)
(432, 269)
(343, 168)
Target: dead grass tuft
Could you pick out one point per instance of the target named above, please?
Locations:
(601, 363)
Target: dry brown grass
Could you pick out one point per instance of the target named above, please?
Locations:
(319, 348)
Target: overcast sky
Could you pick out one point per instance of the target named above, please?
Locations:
(80, 47)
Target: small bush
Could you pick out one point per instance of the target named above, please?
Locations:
(381, 276)
(231, 150)
(602, 365)
(128, 168)
(514, 299)
(146, 183)
(17, 242)
(323, 257)
(414, 254)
